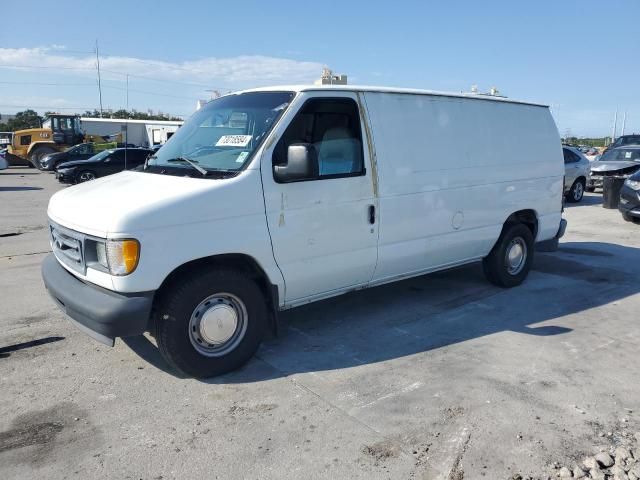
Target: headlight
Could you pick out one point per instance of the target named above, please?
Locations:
(120, 257)
(632, 184)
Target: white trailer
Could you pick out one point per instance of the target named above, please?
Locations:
(142, 133)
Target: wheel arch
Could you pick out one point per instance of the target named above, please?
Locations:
(37, 145)
(236, 261)
(528, 217)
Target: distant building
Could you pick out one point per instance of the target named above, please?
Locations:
(328, 78)
(143, 133)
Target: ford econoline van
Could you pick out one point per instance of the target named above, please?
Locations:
(271, 198)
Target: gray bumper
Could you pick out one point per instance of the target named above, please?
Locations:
(100, 313)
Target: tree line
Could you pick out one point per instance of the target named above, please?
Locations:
(31, 119)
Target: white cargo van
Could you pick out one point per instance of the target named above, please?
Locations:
(271, 198)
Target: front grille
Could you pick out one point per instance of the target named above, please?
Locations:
(67, 246)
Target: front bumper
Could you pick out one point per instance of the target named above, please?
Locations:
(65, 177)
(101, 313)
(595, 182)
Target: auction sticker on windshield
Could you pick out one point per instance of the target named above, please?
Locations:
(234, 141)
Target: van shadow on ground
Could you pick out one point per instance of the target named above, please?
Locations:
(435, 311)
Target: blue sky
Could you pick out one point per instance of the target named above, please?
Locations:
(582, 57)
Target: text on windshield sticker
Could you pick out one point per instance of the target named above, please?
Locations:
(234, 141)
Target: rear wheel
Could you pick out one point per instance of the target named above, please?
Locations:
(211, 323)
(576, 192)
(509, 262)
(85, 176)
(590, 189)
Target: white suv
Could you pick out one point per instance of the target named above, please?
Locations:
(576, 173)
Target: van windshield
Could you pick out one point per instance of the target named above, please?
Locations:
(224, 134)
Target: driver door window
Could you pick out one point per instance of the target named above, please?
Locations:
(331, 127)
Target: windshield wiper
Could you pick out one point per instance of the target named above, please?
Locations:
(190, 162)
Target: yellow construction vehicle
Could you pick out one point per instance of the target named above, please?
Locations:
(58, 132)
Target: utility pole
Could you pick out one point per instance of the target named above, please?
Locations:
(99, 82)
(126, 126)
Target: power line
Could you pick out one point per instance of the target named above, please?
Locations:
(42, 84)
(55, 108)
(47, 67)
(119, 73)
(113, 87)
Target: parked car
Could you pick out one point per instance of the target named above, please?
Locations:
(576, 173)
(629, 204)
(102, 164)
(82, 151)
(623, 140)
(322, 190)
(620, 161)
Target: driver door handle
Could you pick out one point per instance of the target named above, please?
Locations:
(372, 214)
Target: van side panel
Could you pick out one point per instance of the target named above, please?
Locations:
(451, 170)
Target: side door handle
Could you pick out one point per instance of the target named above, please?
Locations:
(372, 214)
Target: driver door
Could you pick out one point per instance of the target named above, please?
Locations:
(324, 230)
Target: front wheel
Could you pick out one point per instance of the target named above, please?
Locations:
(85, 176)
(509, 262)
(211, 323)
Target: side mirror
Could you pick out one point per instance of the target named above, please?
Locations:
(302, 163)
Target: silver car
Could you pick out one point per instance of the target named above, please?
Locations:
(576, 173)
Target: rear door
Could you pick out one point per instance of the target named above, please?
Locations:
(571, 167)
(324, 230)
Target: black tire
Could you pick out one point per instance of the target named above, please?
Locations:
(85, 176)
(173, 322)
(590, 189)
(496, 266)
(37, 153)
(576, 192)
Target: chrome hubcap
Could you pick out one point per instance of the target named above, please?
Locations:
(87, 176)
(218, 324)
(516, 256)
(577, 193)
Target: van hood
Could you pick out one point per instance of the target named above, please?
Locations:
(613, 166)
(129, 201)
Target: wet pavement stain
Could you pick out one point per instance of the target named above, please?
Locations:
(46, 433)
(38, 434)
